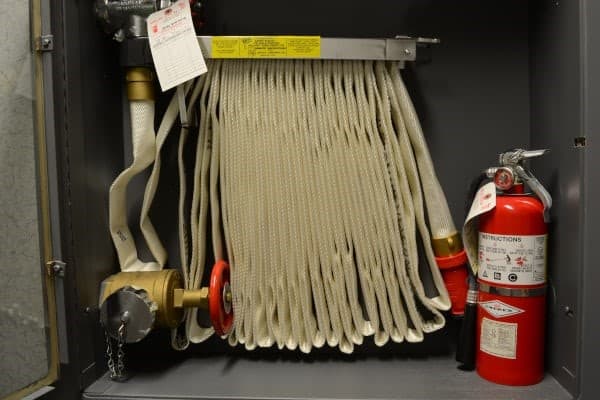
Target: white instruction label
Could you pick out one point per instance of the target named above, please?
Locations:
(174, 46)
(512, 259)
(498, 338)
(484, 201)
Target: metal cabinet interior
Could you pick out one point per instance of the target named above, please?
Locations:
(507, 74)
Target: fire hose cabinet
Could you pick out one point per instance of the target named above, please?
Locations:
(235, 229)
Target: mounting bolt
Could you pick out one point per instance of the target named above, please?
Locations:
(44, 43)
(56, 268)
(407, 52)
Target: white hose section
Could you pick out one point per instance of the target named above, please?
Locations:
(149, 232)
(142, 134)
(317, 176)
(438, 209)
(320, 202)
(440, 219)
(200, 200)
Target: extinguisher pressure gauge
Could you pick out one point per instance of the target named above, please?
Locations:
(504, 178)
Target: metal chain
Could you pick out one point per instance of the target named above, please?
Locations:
(116, 367)
(109, 356)
(120, 352)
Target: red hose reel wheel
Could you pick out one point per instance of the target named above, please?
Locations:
(220, 299)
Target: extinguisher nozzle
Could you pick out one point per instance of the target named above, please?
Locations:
(465, 347)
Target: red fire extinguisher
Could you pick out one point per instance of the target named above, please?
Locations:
(511, 275)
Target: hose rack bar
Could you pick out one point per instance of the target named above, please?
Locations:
(397, 49)
(135, 52)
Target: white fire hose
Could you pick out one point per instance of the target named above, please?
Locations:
(316, 174)
(141, 99)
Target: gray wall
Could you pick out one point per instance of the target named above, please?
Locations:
(556, 120)
(589, 317)
(506, 75)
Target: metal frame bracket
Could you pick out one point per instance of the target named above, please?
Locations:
(56, 268)
(44, 43)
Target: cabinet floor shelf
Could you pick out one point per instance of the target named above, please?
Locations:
(223, 377)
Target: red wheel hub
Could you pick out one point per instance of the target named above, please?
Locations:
(219, 298)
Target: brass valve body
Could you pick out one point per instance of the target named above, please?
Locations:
(164, 288)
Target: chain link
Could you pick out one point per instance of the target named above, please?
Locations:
(120, 352)
(109, 356)
(116, 367)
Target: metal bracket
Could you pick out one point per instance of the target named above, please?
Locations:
(56, 268)
(44, 43)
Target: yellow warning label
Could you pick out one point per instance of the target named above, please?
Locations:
(266, 47)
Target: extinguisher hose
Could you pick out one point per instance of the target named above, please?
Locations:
(465, 347)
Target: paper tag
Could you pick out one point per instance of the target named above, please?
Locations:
(485, 200)
(498, 338)
(174, 46)
(266, 47)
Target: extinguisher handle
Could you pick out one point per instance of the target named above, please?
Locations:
(537, 188)
(465, 347)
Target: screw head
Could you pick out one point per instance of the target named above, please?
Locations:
(58, 269)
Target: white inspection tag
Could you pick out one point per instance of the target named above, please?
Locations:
(174, 46)
(485, 200)
(498, 338)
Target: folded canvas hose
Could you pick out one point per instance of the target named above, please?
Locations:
(317, 177)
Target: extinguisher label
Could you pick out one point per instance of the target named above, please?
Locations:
(512, 259)
(498, 338)
(500, 309)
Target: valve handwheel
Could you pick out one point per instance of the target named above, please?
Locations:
(220, 299)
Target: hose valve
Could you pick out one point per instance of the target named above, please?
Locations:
(145, 300)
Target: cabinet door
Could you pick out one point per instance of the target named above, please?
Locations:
(28, 338)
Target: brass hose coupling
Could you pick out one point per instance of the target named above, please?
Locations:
(157, 299)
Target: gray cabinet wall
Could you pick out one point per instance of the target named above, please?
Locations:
(507, 74)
